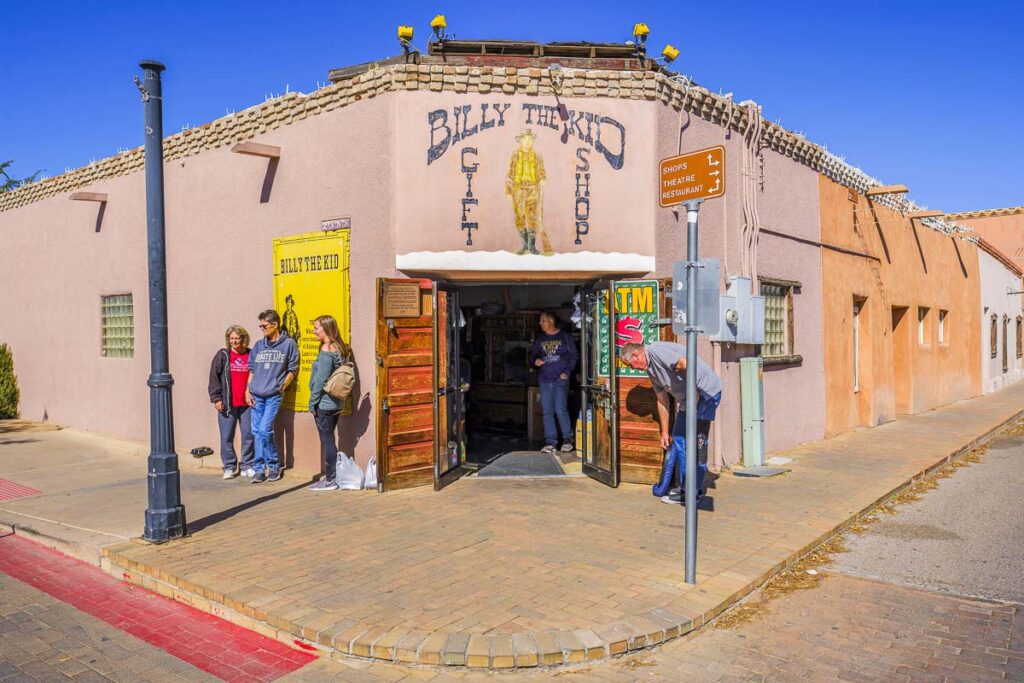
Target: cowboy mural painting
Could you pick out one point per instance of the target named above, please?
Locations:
(525, 186)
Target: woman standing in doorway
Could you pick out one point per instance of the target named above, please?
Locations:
(326, 408)
(229, 372)
(554, 353)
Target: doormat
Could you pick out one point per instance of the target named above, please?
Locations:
(523, 464)
(9, 490)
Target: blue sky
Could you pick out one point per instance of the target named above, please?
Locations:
(930, 94)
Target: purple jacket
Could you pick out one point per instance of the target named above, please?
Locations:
(558, 351)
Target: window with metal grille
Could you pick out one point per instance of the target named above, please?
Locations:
(993, 336)
(1020, 343)
(778, 317)
(118, 326)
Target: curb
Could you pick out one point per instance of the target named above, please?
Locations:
(348, 638)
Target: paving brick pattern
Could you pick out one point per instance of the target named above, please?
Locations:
(44, 639)
(847, 629)
(205, 642)
(534, 572)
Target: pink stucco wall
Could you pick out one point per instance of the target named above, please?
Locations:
(793, 394)
(220, 271)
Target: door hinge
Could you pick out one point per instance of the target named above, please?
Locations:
(380, 361)
(385, 406)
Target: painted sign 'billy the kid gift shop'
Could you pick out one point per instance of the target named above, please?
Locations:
(502, 182)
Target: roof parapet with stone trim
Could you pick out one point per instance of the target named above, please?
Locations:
(674, 90)
(987, 213)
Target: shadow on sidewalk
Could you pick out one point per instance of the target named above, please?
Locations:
(210, 520)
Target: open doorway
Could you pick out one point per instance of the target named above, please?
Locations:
(504, 420)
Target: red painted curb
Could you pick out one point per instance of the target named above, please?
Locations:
(214, 645)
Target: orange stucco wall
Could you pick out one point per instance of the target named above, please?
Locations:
(905, 265)
(1005, 233)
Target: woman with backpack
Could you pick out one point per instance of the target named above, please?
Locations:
(229, 372)
(326, 408)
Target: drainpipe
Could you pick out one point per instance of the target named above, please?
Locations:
(717, 461)
(165, 515)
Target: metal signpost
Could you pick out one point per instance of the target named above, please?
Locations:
(690, 179)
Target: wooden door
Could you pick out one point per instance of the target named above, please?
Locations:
(405, 385)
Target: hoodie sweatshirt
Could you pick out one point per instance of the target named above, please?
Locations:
(558, 351)
(269, 362)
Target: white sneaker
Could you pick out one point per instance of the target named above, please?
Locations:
(229, 474)
(248, 472)
(548, 449)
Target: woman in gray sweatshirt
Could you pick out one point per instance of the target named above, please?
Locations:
(324, 407)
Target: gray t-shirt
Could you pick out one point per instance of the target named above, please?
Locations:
(661, 360)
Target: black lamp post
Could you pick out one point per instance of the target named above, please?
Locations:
(165, 515)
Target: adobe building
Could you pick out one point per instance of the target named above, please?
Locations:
(436, 204)
(901, 309)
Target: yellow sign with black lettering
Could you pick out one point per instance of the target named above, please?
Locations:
(311, 279)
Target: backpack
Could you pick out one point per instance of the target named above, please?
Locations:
(339, 385)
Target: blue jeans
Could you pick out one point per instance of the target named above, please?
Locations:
(327, 427)
(227, 422)
(263, 415)
(554, 402)
(675, 461)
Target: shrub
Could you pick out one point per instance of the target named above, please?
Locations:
(8, 384)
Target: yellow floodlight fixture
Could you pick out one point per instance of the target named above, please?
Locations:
(670, 53)
(640, 32)
(405, 33)
(439, 24)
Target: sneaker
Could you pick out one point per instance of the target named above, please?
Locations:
(259, 477)
(676, 499)
(229, 474)
(548, 449)
(248, 472)
(324, 485)
(675, 491)
(275, 475)
(568, 448)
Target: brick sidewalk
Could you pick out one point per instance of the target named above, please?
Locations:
(533, 572)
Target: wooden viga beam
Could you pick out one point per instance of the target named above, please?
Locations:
(886, 189)
(257, 149)
(926, 214)
(88, 196)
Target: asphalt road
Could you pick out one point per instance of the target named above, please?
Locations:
(966, 537)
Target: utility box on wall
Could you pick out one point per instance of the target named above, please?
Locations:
(742, 314)
(752, 410)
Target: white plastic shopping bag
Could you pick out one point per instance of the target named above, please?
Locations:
(370, 479)
(349, 476)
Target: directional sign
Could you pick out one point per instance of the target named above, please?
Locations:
(695, 175)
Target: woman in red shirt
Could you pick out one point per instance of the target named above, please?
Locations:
(229, 373)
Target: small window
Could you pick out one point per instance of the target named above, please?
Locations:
(1020, 330)
(923, 337)
(118, 326)
(778, 317)
(942, 327)
(993, 336)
